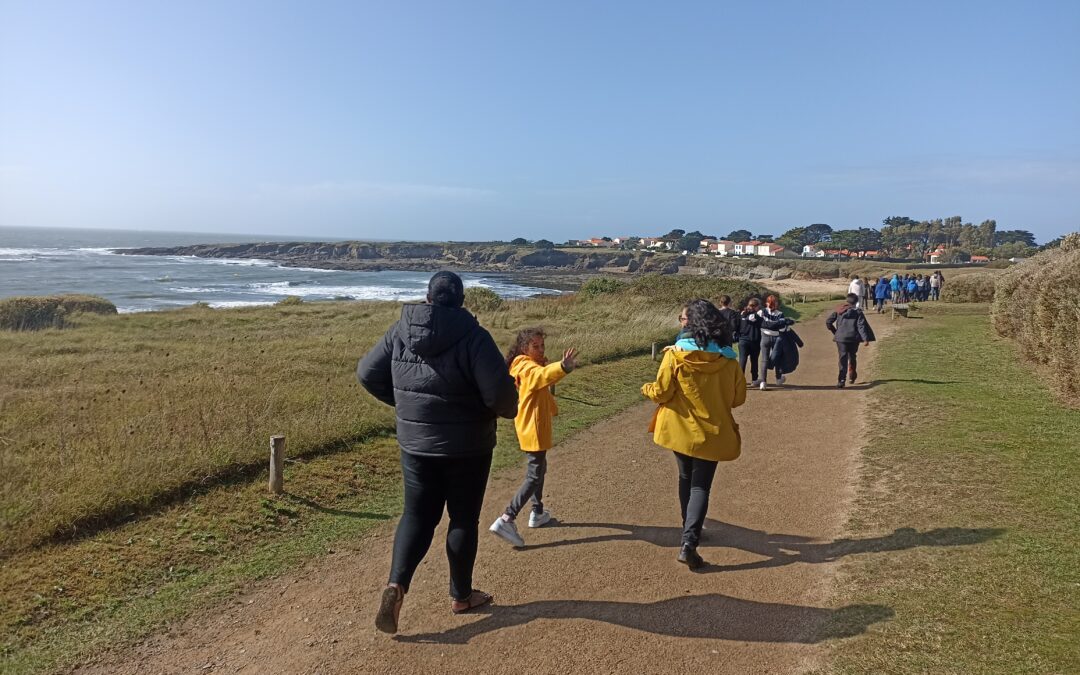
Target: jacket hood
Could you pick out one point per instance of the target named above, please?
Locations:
(689, 345)
(844, 309)
(699, 361)
(432, 329)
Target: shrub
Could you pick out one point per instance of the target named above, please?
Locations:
(977, 287)
(49, 311)
(679, 289)
(290, 300)
(1037, 304)
(481, 299)
(601, 285)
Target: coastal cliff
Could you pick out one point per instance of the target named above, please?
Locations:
(356, 255)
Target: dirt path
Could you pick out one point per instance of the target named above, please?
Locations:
(600, 591)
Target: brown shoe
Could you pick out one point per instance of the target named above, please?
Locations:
(475, 599)
(390, 609)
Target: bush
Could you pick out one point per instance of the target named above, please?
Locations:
(481, 299)
(49, 311)
(1037, 304)
(601, 285)
(680, 289)
(977, 287)
(290, 300)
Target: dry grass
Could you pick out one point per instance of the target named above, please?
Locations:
(49, 311)
(1037, 303)
(131, 411)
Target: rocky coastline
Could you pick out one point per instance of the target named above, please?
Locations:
(559, 268)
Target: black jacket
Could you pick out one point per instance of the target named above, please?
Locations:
(749, 328)
(446, 378)
(785, 351)
(848, 324)
(731, 317)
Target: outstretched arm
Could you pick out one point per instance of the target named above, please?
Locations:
(663, 388)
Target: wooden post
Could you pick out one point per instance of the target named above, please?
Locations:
(277, 464)
(654, 351)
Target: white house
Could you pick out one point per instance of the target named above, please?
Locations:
(746, 248)
(811, 251)
(770, 249)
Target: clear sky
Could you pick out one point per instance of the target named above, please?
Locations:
(497, 119)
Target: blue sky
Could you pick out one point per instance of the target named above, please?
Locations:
(479, 120)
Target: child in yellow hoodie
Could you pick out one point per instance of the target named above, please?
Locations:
(697, 385)
(534, 377)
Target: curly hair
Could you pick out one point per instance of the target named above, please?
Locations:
(521, 343)
(705, 324)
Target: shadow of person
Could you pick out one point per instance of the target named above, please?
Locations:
(777, 550)
(713, 615)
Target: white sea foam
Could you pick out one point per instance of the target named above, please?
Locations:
(224, 304)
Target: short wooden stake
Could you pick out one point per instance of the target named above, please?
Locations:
(277, 464)
(654, 351)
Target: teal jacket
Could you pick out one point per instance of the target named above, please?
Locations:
(685, 344)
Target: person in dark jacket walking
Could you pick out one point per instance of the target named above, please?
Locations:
(749, 338)
(849, 327)
(448, 383)
(730, 316)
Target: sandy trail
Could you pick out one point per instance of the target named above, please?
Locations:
(599, 591)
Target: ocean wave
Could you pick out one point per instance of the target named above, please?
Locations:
(225, 304)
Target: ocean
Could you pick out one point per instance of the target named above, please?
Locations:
(46, 261)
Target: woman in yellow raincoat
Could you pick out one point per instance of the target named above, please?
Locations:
(696, 387)
(534, 377)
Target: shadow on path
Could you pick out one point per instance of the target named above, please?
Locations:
(712, 616)
(779, 549)
(861, 385)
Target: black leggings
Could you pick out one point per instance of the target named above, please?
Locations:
(695, 482)
(458, 483)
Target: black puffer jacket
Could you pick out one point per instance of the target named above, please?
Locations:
(445, 376)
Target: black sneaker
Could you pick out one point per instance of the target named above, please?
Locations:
(688, 556)
(840, 384)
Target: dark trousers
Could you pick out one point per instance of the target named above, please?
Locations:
(458, 483)
(749, 350)
(533, 487)
(695, 482)
(849, 355)
(767, 342)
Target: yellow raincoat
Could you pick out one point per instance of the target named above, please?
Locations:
(536, 405)
(696, 391)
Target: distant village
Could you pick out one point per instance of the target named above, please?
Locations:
(726, 247)
(938, 241)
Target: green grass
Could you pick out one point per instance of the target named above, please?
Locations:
(65, 602)
(963, 435)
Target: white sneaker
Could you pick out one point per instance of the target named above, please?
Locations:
(762, 386)
(539, 519)
(781, 379)
(508, 531)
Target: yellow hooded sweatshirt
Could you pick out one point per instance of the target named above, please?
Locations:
(536, 405)
(696, 392)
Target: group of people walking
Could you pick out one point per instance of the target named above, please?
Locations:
(896, 289)
(448, 383)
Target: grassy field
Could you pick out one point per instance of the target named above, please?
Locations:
(127, 411)
(133, 450)
(967, 441)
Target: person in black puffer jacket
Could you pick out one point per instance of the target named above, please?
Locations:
(448, 382)
(849, 327)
